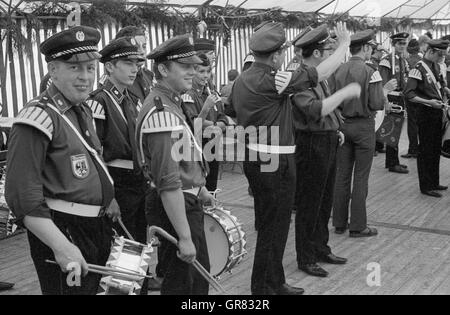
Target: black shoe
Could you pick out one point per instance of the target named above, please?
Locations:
(314, 270)
(398, 169)
(6, 286)
(286, 289)
(431, 193)
(333, 260)
(441, 188)
(368, 232)
(403, 166)
(381, 150)
(375, 154)
(340, 231)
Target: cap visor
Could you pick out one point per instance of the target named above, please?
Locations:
(83, 57)
(193, 60)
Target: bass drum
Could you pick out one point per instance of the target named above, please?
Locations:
(379, 118)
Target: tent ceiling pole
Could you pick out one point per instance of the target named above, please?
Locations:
(397, 8)
(431, 1)
(326, 5)
(448, 2)
(360, 2)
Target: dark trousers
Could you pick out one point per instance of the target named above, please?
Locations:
(274, 195)
(93, 236)
(430, 138)
(316, 178)
(213, 175)
(154, 211)
(413, 131)
(355, 159)
(130, 191)
(392, 158)
(181, 278)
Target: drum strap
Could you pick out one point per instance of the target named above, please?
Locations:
(430, 73)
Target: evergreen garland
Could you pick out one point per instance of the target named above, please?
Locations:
(220, 20)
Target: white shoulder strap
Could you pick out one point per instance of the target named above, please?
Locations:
(433, 78)
(119, 109)
(83, 141)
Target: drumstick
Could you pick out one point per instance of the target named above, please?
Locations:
(110, 272)
(203, 272)
(124, 228)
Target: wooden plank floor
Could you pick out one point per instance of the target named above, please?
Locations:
(413, 248)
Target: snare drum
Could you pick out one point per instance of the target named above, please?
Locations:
(126, 256)
(226, 241)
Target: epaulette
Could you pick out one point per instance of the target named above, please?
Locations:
(161, 121)
(35, 115)
(98, 111)
(376, 77)
(385, 63)
(186, 98)
(415, 74)
(282, 80)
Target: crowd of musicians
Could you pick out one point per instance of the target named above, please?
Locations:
(80, 159)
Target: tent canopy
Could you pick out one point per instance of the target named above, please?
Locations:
(413, 9)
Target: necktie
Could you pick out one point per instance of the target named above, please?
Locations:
(402, 73)
(107, 188)
(130, 112)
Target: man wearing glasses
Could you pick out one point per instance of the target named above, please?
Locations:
(317, 123)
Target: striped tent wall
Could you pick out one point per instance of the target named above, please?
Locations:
(26, 67)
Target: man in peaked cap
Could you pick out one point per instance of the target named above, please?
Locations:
(317, 121)
(61, 195)
(261, 98)
(179, 180)
(355, 157)
(144, 79)
(297, 60)
(427, 90)
(395, 66)
(115, 111)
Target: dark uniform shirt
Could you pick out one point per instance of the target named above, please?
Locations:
(158, 133)
(421, 84)
(115, 115)
(308, 110)
(143, 84)
(413, 60)
(261, 98)
(47, 159)
(194, 101)
(372, 97)
(401, 71)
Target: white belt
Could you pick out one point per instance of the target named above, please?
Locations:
(129, 165)
(272, 149)
(193, 191)
(72, 208)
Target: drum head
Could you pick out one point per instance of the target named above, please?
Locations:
(379, 118)
(218, 245)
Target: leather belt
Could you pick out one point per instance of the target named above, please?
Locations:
(76, 209)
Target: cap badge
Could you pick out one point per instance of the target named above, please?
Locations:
(191, 41)
(80, 36)
(133, 42)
